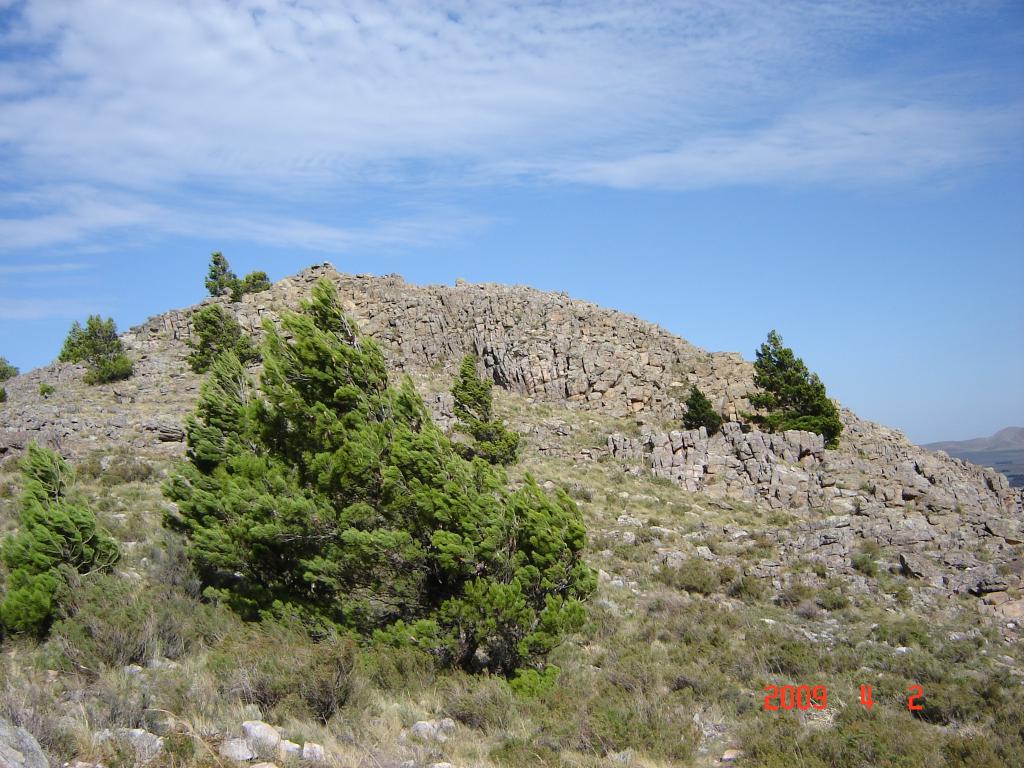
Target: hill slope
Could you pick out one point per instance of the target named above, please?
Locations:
(724, 563)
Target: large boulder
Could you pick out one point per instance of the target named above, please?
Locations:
(19, 749)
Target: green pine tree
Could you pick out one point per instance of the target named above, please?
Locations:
(57, 540)
(254, 282)
(98, 346)
(790, 395)
(330, 496)
(220, 280)
(216, 332)
(700, 413)
(7, 371)
(474, 409)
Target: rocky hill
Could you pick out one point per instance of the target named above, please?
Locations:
(724, 563)
(940, 511)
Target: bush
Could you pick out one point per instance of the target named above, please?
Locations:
(700, 413)
(254, 282)
(217, 332)
(334, 498)
(693, 575)
(45, 390)
(865, 563)
(111, 622)
(474, 409)
(7, 371)
(3, 394)
(98, 346)
(833, 600)
(57, 539)
(791, 396)
(222, 281)
(311, 679)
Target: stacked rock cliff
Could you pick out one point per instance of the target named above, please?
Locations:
(552, 348)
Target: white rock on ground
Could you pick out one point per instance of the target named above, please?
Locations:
(289, 750)
(261, 737)
(313, 752)
(236, 749)
(147, 746)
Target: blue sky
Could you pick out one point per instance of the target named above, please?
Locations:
(847, 172)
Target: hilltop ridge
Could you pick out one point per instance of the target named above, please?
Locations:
(552, 349)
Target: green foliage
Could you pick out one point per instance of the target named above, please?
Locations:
(7, 371)
(310, 679)
(222, 281)
(693, 575)
(332, 497)
(45, 390)
(217, 332)
(700, 413)
(111, 622)
(254, 282)
(3, 394)
(474, 408)
(791, 396)
(57, 539)
(219, 277)
(864, 563)
(98, 346)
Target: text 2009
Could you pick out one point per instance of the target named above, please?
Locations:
(801, 697)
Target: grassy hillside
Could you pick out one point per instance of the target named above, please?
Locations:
(670, 669)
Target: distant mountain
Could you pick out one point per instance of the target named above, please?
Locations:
(1003, 451)
(1009, 439)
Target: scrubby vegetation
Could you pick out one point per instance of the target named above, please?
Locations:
(790, 395)
(332, 499)
(57, 541)
(98, 346)
(217, 332)
(474, 409)
(7, 371)
(700, 413)
(221, 279)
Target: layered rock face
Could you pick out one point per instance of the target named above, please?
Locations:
(553, 348)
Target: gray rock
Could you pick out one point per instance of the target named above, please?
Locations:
(261, 737)
(19, 749)
(313, 753)
(236, 749)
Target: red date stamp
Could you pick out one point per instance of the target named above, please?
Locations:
(804, 697)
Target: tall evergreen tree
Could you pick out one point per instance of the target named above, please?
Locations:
(791, 396)
(330, 495)
(57, 540)
(220, 280)
(98, 346)
(700, 413)
(216, 332)
(474, 409)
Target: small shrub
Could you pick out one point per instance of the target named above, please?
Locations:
(865, 563)
(98, 346)
(693, 575)
(795, 593)
(832, 600)
(57, 539)
(3, 394)
(45, 390)
(310, 679)
(7, 371)
(748, 588)
(254, 282)
(700, 413)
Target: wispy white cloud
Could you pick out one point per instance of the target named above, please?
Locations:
(142, 103)
(29, 269)
(40, 309)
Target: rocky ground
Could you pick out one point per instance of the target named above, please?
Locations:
(726, 563)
